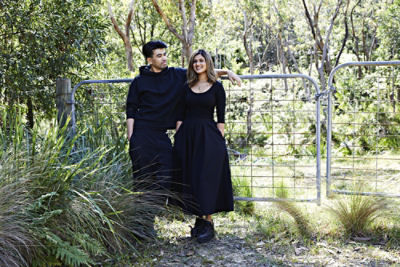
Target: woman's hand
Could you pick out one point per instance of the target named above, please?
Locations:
(234, 78)
(178, 124)
(221, 128)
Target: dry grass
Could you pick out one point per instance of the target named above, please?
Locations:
(300, 219)
(356, 212)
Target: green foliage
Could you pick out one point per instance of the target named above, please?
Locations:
(43, 40)
(388, 33)
(365, 109)
(356, 212)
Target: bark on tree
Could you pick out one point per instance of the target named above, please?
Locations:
(247, 42)
(281, 58)
(346, 34)
(296, 65)
(355, 47)
(187, 27)
(29, 114)
(124, 34)
(325, 57)
(321, 45)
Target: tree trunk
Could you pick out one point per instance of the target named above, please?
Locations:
(29, 114)
(188, 27)
(247, 42)
(125, 35)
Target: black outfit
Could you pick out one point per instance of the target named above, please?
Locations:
(152, 102)
(201, 155)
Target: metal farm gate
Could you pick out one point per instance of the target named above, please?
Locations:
(363, 135)
(272, 131)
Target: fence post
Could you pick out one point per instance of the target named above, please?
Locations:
(64, 102)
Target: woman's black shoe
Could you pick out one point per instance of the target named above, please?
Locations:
(206, 233)
(194, 232)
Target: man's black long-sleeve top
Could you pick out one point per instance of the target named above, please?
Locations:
(153, 97)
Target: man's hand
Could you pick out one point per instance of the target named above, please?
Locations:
(235, 79)
(129, 127)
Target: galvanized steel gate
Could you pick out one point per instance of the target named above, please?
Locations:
(363, 135)
(272, 132)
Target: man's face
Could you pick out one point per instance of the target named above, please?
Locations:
(158, 61)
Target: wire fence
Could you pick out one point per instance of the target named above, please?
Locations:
(363, 135)
(272, 132)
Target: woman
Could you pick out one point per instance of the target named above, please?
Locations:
(200, 149)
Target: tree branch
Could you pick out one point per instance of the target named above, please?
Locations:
(309, 19)
(325, 51)
(166, 20)
(129, 18)
(115, 24)
(124, 36)
(192, 19)
(346, 35)
(182, 10)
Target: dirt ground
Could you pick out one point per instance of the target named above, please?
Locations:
(239, 242)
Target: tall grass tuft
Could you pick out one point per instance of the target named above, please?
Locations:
(241, 187)
(302, 223)
(16, 241)
(69, 201)
(356, 212)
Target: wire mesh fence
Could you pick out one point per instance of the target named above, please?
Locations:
(272, 132)
(363, 143)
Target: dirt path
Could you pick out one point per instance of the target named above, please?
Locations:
(240, 243)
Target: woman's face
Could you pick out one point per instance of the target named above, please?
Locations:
(199, 64)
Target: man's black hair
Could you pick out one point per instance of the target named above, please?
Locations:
(148, 48)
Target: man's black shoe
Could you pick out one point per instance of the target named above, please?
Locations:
(207, 232)
(194, 232)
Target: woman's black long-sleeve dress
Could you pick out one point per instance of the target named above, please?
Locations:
(200, 153)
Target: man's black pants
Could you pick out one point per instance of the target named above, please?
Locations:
(151, 154)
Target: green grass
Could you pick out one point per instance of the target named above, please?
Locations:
(16, 241)
(241, 188)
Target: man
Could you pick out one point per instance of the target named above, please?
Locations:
(151, 109)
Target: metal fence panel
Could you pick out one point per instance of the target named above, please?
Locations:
(272, 132)
(363, 135)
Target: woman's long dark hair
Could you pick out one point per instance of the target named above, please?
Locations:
(192, 77)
